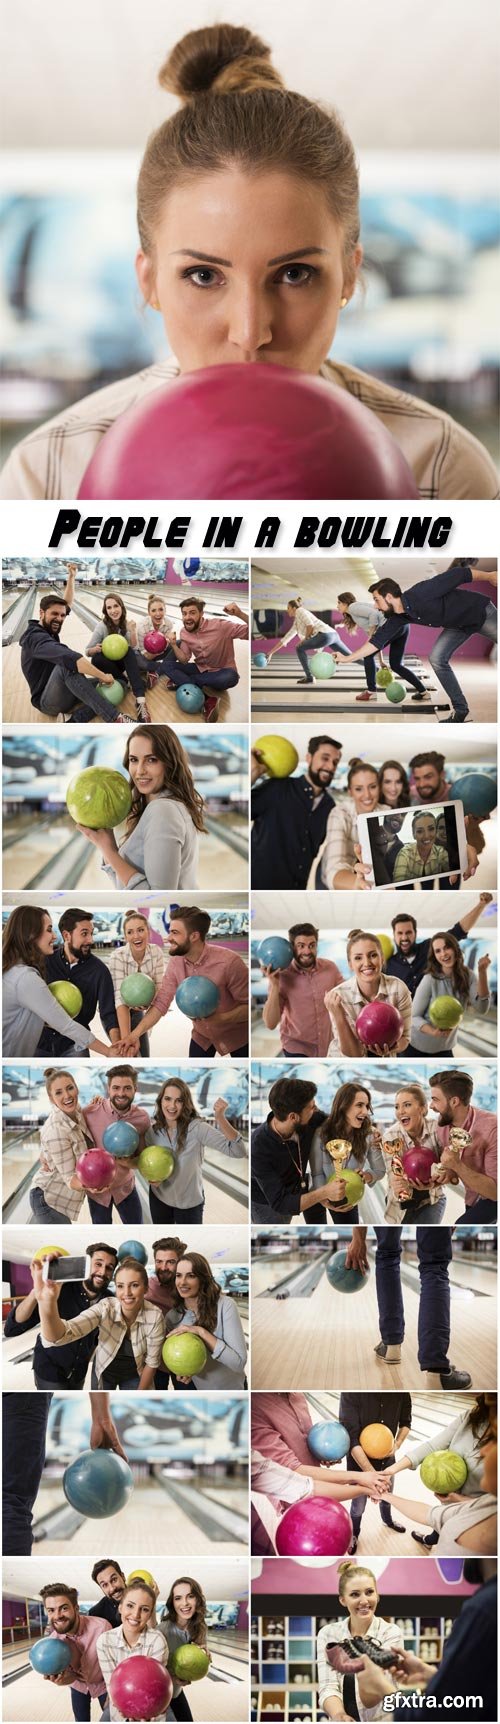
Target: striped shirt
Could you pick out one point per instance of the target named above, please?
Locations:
(113, 1649)
(62, 1140)
(341, 837)
(146, 1333)
(446, 460)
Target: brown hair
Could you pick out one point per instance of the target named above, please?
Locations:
(484, 1414)
(336, 1124)
(56, 1587)
(115, 628)
(166, 748)
(20, 935)
(414, 1089)
(139, 916)
(236, 110)
(188, 1112)
(348, 621)
(348, 1571)
(361, 934)
(199, 604)
(208, 1297)
(404, 794)
(461, 983)
(356, 765)
(138, 1586)
(155, 599)
(195, 921)
(53, 1072)
(197, 1625)
(454, 1083)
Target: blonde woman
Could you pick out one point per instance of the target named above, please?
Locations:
(412, 1127)
(367, 983)
(338, 1697)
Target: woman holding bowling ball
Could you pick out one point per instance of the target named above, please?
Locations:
(137, 1635)
(160, 848)
(57, 1192)
(367, 984)
(463, 1520)
(341, 865)
(130, 1328)
(178, 1126)
(412, 1128)
(116, 622)
(342, 1694)
(350, 1118)
(249, 250)
(28, 1004)
(183, 1622)
(446, 975)
(204, 1310)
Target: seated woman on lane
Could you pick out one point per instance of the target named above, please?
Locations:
(28, 1004)
(130, 1328)
(203, 1309)
(160, 848)
(257, 175)
(178, 1126)
(350, 1118)
(367, 984)
(116, 622)
(447, 974)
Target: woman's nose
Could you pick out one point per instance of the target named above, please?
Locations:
(249, 322)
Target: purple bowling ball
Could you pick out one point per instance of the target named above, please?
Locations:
(315, 1527)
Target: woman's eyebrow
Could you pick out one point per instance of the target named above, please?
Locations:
(305, 251)
(202, 257)
(286, 256)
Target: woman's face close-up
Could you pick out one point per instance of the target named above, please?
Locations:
(425, 834)
(248, 268)
(171, 1103)
(186, 1281)
(359, 1111)
(113, 610)
(47, 939)
(408, 1111)
(64, 1093)
(147, 773)
(364, 789)
(392, 785)
(444, 955)
(184, 1603)
(129, 1290)
(360, 1598)
(366, 960)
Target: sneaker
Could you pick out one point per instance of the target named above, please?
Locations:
(367, 695)
(390, 1351)
(143, 710)
(211, 708)
(423, 695)
(152, 679)
(456, 718)
(81, 716)
(123, 718)
(426, 1538)
(305, 682)
(454, 1379)
(353, 1545)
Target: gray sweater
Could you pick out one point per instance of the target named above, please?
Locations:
(225, 1367)
(27, 1006)
(163, 848)
(99, 634)
(432, 988)
(185, 1187)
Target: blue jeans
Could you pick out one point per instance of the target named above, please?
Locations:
(81, 1703)
(42, 1211)
(129, 1209)
(66, 688)
(196, 1052)
(24, 1419)
(434, 1256)
(429, 1214)
(323, 638)
(444, 649)
(357, 1508)
(127, 666)
(219, 679)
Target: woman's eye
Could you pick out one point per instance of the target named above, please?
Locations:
(202, 276)
(297, 274)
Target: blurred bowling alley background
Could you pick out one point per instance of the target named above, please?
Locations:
(25, 1106)
(425, 316)
(308, 1334)
(223, 1696)
(468, 750)
(41, 842)
(25, 581)
(336, 687)
(188, 1458)
(226, 1249)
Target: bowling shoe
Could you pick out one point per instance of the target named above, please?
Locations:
(390, 1351)
(211, 708)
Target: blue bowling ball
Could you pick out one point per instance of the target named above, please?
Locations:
(189, 697)
(133, 1248)
(260, 660)
(49, 1657)
(329, 1441)
(275, 952)
(477, 791)
(197, 997)
(121, 1138)
(98, 1483)
(344, 1280)
(191, 565)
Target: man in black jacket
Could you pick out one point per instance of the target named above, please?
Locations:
(111, 1579)
(356, 1411)
(290, 815)
(65, 1367)
(281, 1147)
(74, 961)
(60, 679)
(439, 603)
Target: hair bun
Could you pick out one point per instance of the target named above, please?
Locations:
(220, 58)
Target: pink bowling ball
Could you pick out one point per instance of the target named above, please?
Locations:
(417, 1163)
(248, 431)
(155, 642)
(315, 1527)
(379, 1024)
(96, 1169)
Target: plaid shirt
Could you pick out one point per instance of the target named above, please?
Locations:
(120, 964)
(390, 988)
(62, 1141)
(147, 1334)
(341, 837)
(113, 1649)
(409, 865)
(445, 459)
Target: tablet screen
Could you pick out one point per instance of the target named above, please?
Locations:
(413, 843)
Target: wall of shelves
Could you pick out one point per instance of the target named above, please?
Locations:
(283, 1661)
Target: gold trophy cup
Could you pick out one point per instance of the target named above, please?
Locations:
(339, 1149)
(395, 1150)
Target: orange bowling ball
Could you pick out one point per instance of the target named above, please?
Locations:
(377, 1442)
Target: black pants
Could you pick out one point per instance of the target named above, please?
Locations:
(181, 1707)
(161, 1211)
(24, 1421)
(198, 1053)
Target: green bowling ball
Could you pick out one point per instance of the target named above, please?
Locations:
(67, 996)
(354, 1185)
(114, 647)
(443, 1471)
(156, 1162)
(395, 693)
(188, 1663)
(384, 676)
(99, 797)
(445, 1012)
(113, 691)
(186, 1355)
(137, 989)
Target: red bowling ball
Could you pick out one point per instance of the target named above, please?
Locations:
(140, 1688)
(379, 1025)
(417, 1164)
(96, 1169)
(248, 431)
(155, 642)
(315, 1527)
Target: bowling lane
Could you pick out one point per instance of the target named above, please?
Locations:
(159, 1516)
(327, 1341)
(37, 845)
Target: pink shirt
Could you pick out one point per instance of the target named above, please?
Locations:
(481, 1153)
(305, 1023)
(229, 971)
(212, 644)
(280, 1424)
(98, 1116)
(84, 1672)
(164, 1297)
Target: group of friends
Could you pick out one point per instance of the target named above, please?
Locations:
(34, 1022)
(121, 1334)
(63, 681)
(316, 1010)
(447, 602)
(294, 1176)
(298, 822)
